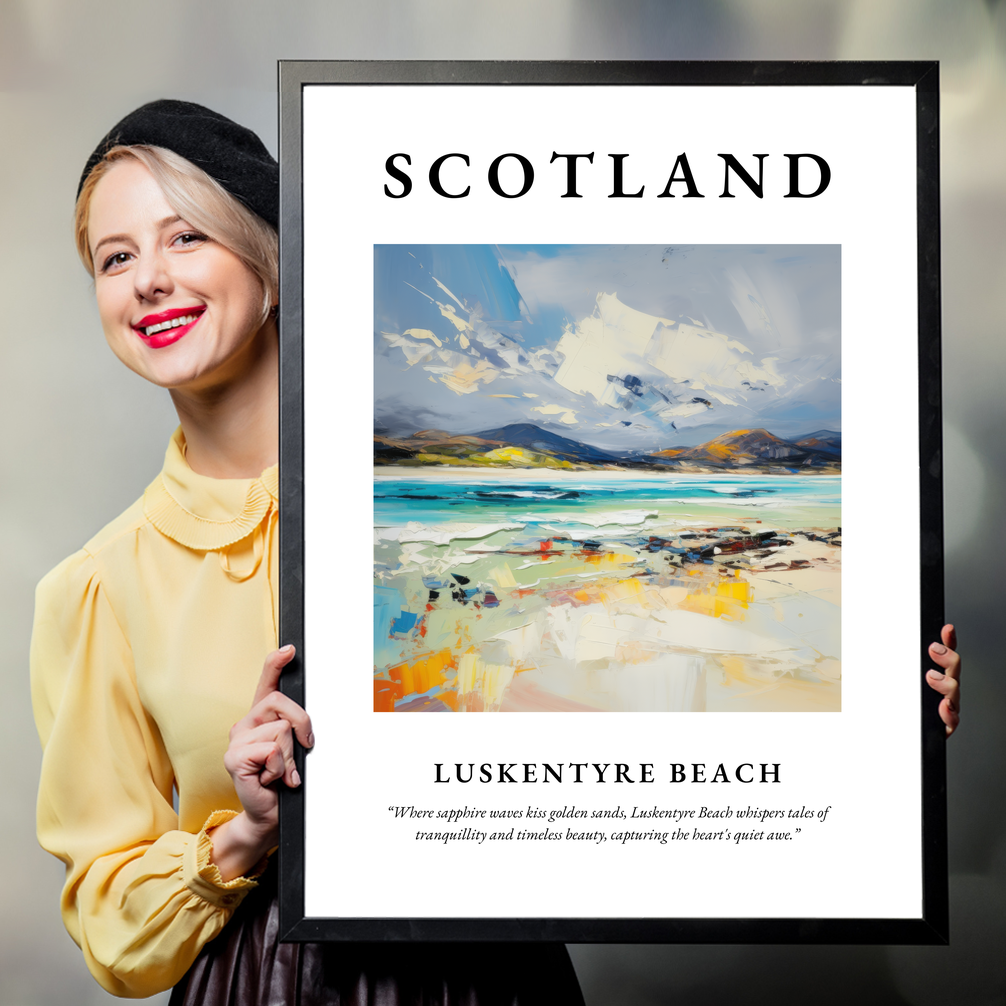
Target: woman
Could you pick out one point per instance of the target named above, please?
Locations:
(148, 643)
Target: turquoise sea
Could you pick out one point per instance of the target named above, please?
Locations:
(594, 500)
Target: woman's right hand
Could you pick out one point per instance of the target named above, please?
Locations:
(260, 753)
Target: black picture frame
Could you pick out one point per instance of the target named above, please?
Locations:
(932, 925)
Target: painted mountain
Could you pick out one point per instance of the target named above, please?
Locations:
(532, 438)
(524, 445)
(754, 449)
(825, 441)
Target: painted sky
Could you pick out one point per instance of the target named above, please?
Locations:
(635, 347)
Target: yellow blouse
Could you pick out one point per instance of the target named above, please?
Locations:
(147, 647)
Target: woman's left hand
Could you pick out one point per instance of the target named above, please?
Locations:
(948, 681)
(260, 754)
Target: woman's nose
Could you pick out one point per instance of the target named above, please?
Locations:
(152, 277)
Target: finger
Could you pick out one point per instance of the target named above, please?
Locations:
(259, 760)
(949, 708)
(280, 733)
(945, 685)
(950, 716)
(949, 636)
(273, 708)
(271, 670)
(274, 766)
(948, 659)
(276, 706)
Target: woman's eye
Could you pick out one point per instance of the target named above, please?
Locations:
(190, 238)
(114, 261)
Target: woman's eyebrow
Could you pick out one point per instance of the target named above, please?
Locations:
(109, 240)
(160, 225)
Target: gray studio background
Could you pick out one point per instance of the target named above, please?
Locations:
(82, 436)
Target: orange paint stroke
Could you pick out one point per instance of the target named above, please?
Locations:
(385, 693)
(420, 675)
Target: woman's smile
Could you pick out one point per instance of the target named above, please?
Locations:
(166, 327)
(177, 307)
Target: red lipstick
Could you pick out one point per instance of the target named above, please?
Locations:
(166, 327)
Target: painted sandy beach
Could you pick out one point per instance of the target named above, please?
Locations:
(606, 591)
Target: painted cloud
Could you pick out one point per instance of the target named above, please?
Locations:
(636, 346)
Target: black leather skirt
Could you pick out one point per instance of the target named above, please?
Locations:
(246, 965)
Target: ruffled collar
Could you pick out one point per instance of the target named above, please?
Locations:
(203, 513)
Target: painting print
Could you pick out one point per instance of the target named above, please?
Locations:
(607, 478)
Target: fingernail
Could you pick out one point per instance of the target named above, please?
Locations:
(287, 649)
(295, 777)
(310, 740)
(938, 648)
(936, 675)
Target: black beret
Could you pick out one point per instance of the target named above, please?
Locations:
(230, 154)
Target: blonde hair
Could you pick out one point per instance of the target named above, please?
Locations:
(199, 200)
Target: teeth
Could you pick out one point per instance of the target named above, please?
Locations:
(174, 323)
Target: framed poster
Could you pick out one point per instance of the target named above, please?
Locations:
(620, 382)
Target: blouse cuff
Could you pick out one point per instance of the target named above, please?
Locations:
(202, 876)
